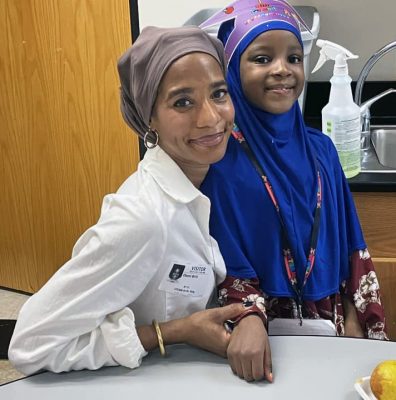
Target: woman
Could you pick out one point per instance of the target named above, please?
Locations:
(283, 214)
(97, 310)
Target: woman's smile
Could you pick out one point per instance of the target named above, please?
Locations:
(209, 140)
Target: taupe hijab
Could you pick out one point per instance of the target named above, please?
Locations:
(143, 65)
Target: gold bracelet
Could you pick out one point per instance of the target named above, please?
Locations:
(159, 337)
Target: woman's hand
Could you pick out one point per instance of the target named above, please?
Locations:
(205, 329)
(249, 352)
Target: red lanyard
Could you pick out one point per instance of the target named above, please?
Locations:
(287, 253)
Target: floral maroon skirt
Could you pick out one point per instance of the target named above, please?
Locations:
(362, 289)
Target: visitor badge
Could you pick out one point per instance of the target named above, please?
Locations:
(187, 279)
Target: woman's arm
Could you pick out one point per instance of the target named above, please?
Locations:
(79, 318)
(203, 329)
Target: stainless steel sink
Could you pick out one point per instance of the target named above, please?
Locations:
(371, 162)
(384, 142)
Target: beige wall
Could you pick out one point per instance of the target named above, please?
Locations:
(362, 26)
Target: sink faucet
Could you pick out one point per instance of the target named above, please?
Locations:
(365, 107)
(365, 118)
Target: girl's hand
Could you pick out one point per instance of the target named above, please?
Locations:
(352, 328)
(351, 323)
(249, 352)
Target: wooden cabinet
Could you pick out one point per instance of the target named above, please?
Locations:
(63, 143)
(377, 213)
(386, 272)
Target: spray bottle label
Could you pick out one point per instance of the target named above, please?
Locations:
(345, 134)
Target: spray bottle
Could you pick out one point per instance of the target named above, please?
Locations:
(341, 116)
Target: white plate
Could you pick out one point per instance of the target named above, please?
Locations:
(362, 386)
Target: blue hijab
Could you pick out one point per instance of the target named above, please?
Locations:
(244, 220)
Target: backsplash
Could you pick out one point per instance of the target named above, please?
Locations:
(382, 112)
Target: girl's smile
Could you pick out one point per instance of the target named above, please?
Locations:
(273, 62)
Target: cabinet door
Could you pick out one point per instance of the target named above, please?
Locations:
(386, 272)
(377, 214)
(63, 143)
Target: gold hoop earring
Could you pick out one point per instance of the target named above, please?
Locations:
(147, 143)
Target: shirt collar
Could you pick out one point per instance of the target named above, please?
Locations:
(169, 176)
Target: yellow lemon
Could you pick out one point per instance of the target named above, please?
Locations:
(383, 380)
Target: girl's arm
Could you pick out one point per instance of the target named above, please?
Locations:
(363, 292)
(362, 287)
(352, 326)
(249, 352)
(246, 291)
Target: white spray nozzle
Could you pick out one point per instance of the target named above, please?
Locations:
(335, 52)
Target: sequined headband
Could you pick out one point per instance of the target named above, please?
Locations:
(250, 13)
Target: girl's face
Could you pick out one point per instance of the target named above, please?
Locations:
(193, 112)
(272, 72)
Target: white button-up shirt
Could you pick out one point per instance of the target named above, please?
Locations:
(85, 315)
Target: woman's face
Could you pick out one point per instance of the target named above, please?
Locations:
(193, 113)
(272, 72)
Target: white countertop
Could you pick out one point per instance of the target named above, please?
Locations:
(305, 367)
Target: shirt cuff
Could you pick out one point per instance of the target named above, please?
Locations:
(121, 338)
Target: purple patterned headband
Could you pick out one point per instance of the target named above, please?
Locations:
(250, 13)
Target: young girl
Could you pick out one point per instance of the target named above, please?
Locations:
(282, 211)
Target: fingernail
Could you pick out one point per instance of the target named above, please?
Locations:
(271, 377)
